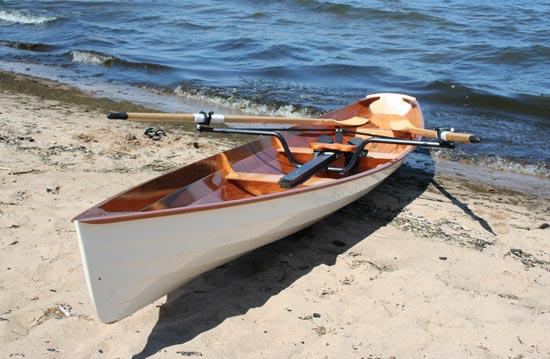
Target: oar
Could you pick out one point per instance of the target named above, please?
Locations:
(402, 124)
(200, 117)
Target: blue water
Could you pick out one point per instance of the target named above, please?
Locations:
(477, 67)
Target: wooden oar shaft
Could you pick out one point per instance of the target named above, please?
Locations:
(168, 117)
(449, 136)
(271, 119)
(140, 116)
(403, 124)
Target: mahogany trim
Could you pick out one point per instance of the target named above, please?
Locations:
(297, 150)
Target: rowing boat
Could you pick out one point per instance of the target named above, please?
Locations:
(147, 241)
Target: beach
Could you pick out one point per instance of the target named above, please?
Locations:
(427, 265)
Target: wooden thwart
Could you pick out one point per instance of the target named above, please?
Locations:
(309, 151)
(332, 147)
(270, 178)
(232, 175)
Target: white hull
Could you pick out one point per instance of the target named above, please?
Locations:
(130, 264)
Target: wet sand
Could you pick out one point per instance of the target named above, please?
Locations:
(425, 265)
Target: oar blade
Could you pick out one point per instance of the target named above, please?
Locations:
(355, 121)
(401, 125)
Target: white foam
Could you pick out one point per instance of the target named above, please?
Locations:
(23, 17)
(85, 57)
(539, 169)
(243, 105)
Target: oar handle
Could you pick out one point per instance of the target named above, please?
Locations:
(117, 116)
(145, 116)
(445, 135)
(459, 137)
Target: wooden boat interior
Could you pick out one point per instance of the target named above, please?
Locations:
(254, 169)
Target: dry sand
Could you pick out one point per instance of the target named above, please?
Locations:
(422, 267)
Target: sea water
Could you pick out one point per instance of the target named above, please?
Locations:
(481, 68)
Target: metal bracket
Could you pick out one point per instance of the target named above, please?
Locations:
(206, 119)
(444, 143)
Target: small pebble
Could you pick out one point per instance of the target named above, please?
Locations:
(443, 258)
(54, 190)
(316, 315)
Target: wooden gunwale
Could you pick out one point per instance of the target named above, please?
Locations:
(112, 217)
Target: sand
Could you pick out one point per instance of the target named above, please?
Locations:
(424, 266)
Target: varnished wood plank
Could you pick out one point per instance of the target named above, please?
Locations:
(316, 146)
(270, 178)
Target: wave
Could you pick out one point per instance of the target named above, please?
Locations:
(513, 55)
(450, 93)
(24, 17)
(330, 7)
(496, 162)
(93, 57)
(29, 46)
(370, 13)
(237, 101)
(279, 51)
(191, 25)
(258, 15)
(98, 58)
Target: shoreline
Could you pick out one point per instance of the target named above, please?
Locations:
(450, 266)
(53, 90)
